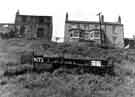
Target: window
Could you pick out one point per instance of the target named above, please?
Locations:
(86, 27)
(5, 26)
(91, 35)
(40, 32)
(75, 34)
(96, 34)
(41, 20)
(24, 19)
(74, 26)
(96, 63)
(85, 35)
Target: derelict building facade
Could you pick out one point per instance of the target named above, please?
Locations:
(30, 26)
(89, 31)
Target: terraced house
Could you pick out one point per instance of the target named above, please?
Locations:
(107, 33)
(28, 27)
(32, 26)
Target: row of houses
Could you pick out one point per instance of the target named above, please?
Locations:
(108, 33)
(41, 27)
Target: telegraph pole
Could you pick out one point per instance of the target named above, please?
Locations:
(99, 14)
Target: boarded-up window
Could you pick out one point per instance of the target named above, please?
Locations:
(96, 63)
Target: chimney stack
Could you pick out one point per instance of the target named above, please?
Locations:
(17, 13)
(119, 19)
(66, 16)
(102, 18)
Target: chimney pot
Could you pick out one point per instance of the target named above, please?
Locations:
(67, 16)
(102, 18)
(119, 19)
(18, 12)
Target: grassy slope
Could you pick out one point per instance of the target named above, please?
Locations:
(49, 85)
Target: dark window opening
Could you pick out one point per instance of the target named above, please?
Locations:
(24, 19)
(41, 20)
(40, 32)
(22, 30)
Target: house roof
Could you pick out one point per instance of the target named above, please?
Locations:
(34, 15)
(92, 22)
(7, 24)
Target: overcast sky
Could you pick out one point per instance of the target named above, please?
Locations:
(77, 9)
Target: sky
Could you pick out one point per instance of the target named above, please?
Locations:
(84, 10)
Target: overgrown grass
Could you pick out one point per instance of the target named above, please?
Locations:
(44, 84)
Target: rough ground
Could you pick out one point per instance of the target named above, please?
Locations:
(33, 84)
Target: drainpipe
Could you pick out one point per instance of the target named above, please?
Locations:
(99, 14)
